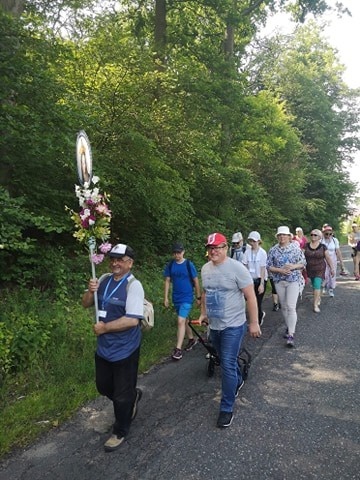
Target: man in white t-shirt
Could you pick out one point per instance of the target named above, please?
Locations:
(237, 249)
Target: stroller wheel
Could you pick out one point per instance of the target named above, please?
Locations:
(211, 367)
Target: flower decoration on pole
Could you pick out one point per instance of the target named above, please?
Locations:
(92, 222)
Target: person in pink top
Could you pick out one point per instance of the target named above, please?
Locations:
(300, 237)
(302, 241)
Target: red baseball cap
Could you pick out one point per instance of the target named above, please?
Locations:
(215, 239)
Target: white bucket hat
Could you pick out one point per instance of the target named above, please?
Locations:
(283, 230)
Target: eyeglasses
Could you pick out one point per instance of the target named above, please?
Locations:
(236, 243)
(314, 235)
(217, 249)
(327, 234)
(119, 260)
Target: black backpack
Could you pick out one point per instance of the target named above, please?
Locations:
(232, 250)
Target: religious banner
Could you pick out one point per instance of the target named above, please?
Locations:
(92, 222)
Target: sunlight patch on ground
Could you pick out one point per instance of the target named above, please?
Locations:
(321, 374)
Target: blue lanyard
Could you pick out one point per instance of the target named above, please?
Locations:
(106, 297)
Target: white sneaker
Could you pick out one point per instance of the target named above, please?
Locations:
(331, 292)
(113, 442)
(324, 291)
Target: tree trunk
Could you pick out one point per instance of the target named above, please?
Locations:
(15, 7)
(160, 30)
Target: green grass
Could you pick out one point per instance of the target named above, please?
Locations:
(45, 378)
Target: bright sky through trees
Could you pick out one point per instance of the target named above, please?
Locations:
(344, 35)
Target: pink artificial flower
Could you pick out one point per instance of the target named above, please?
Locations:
(105, 247)
(97, 258)
(102, 209)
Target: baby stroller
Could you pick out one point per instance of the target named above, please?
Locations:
(244, 358)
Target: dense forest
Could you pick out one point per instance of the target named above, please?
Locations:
(196, 123)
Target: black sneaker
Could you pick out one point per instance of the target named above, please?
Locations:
(191, 344)
(177, 354)
(275, 307)
(224, 419)
(238, 388)
(290, 341)
(137, 400)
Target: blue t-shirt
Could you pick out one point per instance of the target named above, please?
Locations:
(182, 284)
(117, 300)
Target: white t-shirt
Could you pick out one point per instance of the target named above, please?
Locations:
(254, 260)
(332, 244)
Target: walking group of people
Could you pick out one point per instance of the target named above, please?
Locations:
(233, 284)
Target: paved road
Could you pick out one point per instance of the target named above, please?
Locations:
(297, 417)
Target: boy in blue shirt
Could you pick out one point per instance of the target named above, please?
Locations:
(183, 276)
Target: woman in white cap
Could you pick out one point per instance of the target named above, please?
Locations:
(285, 262)
(255, 260)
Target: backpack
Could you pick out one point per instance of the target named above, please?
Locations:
(147, 322)
(171, 263)
(232, 251)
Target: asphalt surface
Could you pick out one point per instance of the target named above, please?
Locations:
(297, 417)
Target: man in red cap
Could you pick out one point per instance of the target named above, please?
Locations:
(226, 285)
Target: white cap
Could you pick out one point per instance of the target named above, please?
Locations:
(254, 236)
(237, 237)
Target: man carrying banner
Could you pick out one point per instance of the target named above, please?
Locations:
(120, 307)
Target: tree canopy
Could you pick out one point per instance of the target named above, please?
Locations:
(190, 132)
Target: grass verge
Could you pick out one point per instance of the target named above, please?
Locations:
(47, 355)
